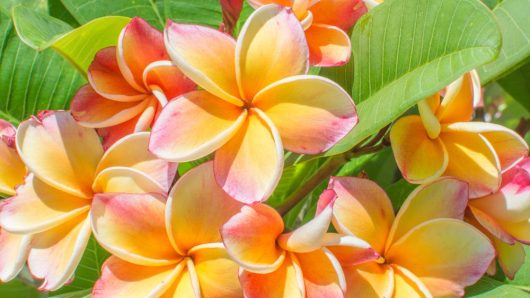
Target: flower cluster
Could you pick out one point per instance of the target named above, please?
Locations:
(108, 169)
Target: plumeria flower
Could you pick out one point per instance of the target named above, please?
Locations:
(294, 264)
(168, 249)
(256, 101)
(425, 251)
(442, 141)
(505, 217)
(13, 247)
(325, 23)
(67, 168)
(128, 84)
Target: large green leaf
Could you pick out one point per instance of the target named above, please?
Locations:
(514, 22)
(405, 50)
(488, 287)
(517, 84)
(31, 81)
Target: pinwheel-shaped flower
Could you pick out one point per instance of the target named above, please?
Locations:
(325, 23)
(67, 167)
(295, 264)
(129, 84)
(13, 247)
(254, 102)
(425, 251)
(169, 250)
(441, 141)
(505, 217)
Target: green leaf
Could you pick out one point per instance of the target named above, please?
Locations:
(398, 193)
(17, 288)
(7, 5)
(32, 81)
(203, 12)
(87, 272)
(522, 277)
(405, 50)
(514, 23)
(342, 75)
(488, 287)
(517, 84)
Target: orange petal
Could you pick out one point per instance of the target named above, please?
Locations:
(257, 3)
(55, 253)
(129, 180)
(285, 282)
(362, 209)
(92, 110)
(350, 250)
(112, 134)
(471, 159)
(14, 249)
(407, 285)
(509, 147)
(122, 279)
(132, 227)
(446, 254)
(37, 207)
(489, 224)
(12, 169)
(185, 285)
(165, 79)
(216, 272)
(60, 152)
(105, 77)
(132, 151)
(250, 238)
(206, 56)
(328, 45)
(249, 166)
(369, 280)
(197, 208)
(299, 106)
(323, 276)
(419, 158)
(340, 13)
(511, 257)
(460, 99)
(443, 198)
(139, 45)
(194, 126)
(271, 46)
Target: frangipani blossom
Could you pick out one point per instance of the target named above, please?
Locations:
(425, 251)
(294, 264)
(442, 142)
(67, 168)
(13, 248)
(128, 84)
(505, 217)
(325, 23)
(256, 101)
(168, 249)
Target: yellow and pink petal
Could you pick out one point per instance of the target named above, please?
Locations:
(328, 45)
(370, 280)
(14, 250)
(341, 13)
(12, 169)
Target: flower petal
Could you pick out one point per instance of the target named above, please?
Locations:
(139, 45)
(511, 257)
(446, 254)
(271, 46)
(509, 147)
(60, 152)
(12, 169)
(362, 209)
(471, 159)
(340, 13)
(140, 122)
(323, 276)
(328, 45)
(167, 79)
(458, 103)
(216, 272)
(194, 126)
(132, 151)
(349, 250)
(407, 285)
(249, 166)
(106, 79)
(55, 253)
(185, 285)
(197, 208)
(92, 110)
(419, 158)
(443, 198)
(132, 227)
(369, 280)
(14, 249)
(284, 282)
(250, 238)
(37, 207)
(129, 180)
(490, 224)
(299, 106)
(122, 279)
(206, 56)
